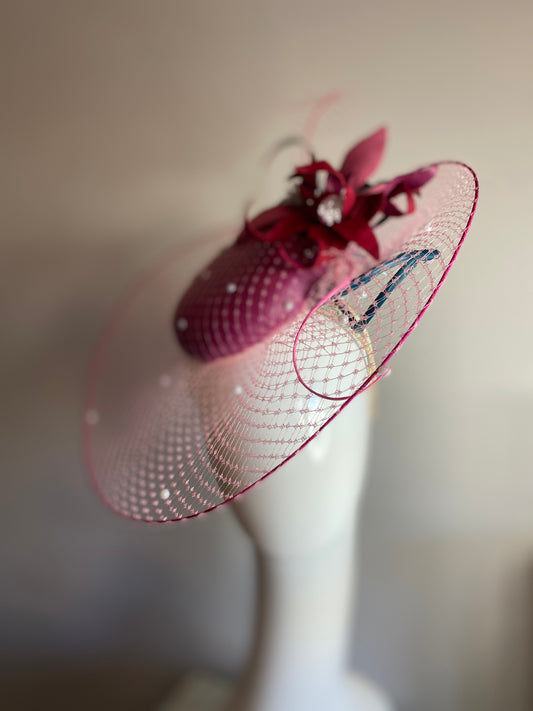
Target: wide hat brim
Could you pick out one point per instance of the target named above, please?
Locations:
(168, 437)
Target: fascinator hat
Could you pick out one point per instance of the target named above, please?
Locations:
(221, 363)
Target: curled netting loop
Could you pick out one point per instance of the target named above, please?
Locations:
(348, 336)
(168, 437)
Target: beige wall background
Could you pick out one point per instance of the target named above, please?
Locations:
(127, 127)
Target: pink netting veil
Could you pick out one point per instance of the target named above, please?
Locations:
(169, 436)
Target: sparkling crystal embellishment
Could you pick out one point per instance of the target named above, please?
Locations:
(330, 210)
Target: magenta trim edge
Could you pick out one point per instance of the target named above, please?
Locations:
(138, 285)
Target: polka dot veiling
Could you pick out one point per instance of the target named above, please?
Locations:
(168, 436)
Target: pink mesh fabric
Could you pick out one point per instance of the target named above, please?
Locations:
(239, 299)
(168, 436)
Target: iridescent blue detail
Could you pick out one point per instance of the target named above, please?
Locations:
(407, 262)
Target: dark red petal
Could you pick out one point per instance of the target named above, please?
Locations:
(313, 168)
(366, 206)
(363, 159)
(359, 231)
(325, 237)
(334, 184)
(277, 223)
(268, 218)
(378, 197)
(289, 226)
(418, 178)
(389, 208)
(402, 183)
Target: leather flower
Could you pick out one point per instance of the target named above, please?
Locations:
(330, 208)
